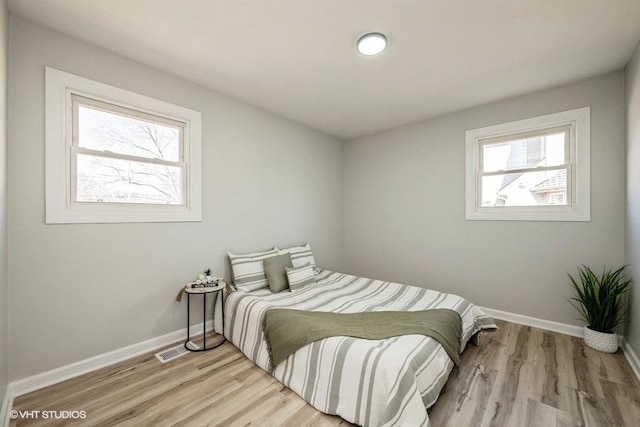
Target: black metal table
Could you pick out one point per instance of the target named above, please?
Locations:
(204, 292)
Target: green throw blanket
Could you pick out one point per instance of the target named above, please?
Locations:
(287, 330)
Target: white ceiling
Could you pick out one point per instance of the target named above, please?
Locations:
(297, 57)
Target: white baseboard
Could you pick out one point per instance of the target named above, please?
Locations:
(548, 325)
(7, 404)
(631, 357)
(54, 376)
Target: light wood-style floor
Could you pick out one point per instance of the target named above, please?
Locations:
(521, 376)
(525, 376)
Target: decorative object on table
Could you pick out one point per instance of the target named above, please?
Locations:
(205, 279)
(600, 302)
(205, 284)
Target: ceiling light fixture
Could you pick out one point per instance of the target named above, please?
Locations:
(372, 43)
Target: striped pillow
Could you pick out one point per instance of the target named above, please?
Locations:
(248, 270)
(300, 255)
(300, 276)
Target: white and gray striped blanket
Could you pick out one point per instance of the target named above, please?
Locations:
(389, 382)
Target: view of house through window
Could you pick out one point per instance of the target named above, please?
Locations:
(121, 155)
(526, 169)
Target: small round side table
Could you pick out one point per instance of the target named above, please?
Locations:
(204, 292)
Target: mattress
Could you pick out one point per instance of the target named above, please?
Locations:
(389, 382)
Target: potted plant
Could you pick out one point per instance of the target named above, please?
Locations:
(599, 301)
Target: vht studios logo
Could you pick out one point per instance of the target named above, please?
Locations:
(48, 415)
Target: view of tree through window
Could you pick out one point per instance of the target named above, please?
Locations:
(123, 157)
(525, 171)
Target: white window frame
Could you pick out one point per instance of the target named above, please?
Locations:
(60, 154)
(578, 166)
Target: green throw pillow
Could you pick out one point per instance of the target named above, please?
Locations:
(275, 270)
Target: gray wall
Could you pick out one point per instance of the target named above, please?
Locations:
(81, 290)
(4, 287)
(633, 194)
(405, 208)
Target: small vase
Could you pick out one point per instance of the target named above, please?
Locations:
(606, 343)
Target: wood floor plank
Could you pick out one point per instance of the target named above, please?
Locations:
(585, 371)
(567, 400)
(623, 403)
(550, 385)
(464, 403)
(565, 419)
(540, 415)
(564, 350)
(531, 384)
(503, 396)
(521, 376)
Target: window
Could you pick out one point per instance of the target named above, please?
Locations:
(534, 170)
(116, 156)
(125, 156)
(523, 169)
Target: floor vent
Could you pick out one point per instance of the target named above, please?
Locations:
(174, 352)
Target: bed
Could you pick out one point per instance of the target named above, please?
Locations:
(388, 382)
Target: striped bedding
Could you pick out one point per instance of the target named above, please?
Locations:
(389, 382)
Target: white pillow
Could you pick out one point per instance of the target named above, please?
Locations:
(248, 269)
(300, 276)
(300, 255)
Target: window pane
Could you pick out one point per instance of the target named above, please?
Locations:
(109, 180)
(106, 131)
(518, 153)
(525, 189)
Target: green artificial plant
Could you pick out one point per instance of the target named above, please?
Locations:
(599, 298)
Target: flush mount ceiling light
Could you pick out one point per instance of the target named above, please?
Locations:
(372, 43)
